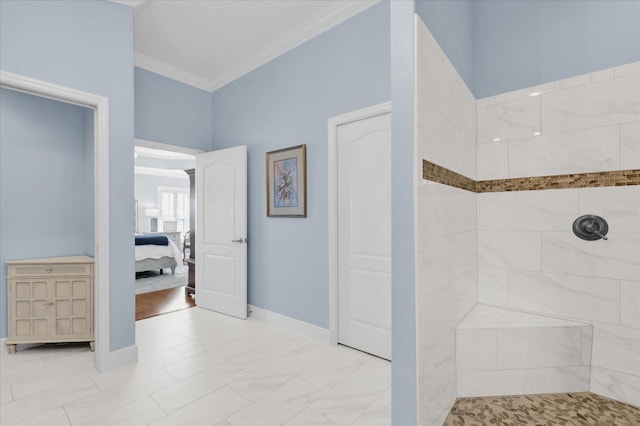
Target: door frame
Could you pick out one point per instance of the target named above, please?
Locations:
(333, 123)
(103, 358)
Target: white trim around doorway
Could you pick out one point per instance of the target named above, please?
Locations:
(104, 358)
(334, 122)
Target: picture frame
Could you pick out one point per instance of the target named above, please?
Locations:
(287, 182)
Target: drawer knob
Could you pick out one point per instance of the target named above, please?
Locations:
(49, 270)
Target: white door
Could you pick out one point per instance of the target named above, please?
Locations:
(221, 231)
(364, 234)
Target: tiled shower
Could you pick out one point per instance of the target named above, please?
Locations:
(509, 300)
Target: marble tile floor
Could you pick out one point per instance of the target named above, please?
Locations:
(570, 409)
(197, 367)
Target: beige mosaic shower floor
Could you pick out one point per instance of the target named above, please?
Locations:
(551, 409)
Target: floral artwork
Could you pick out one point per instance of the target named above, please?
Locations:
(286, 178)
(287, 182)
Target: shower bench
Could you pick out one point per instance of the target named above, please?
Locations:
(507, 352)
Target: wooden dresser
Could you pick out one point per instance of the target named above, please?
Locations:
(50, 300)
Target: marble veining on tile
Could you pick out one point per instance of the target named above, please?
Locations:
(192, 371)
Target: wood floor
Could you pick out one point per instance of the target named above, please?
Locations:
(162, 302)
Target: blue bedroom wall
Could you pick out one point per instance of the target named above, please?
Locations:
(284, 103)
(452, 23)
(44, 192)
(524, 43)
(87, 45)
(171, 112)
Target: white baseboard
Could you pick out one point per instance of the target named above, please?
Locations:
(289, 323)
(114, 359)
(119, 357)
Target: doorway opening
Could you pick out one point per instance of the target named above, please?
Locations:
(162, 214)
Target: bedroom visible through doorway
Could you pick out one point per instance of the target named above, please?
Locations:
(162, 227)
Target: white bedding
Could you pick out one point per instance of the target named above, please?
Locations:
(152, 251)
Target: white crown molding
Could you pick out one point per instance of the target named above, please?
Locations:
(159, 67)
(165, 147)
(130, 3)
(305, 31)
(152, 171)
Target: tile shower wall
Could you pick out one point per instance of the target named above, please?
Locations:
(446, 262)
(528, 257)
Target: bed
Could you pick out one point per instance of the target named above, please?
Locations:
(156, 252)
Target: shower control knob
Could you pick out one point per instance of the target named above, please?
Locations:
(591, 227)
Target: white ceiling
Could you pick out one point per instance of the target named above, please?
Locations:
(209, 43)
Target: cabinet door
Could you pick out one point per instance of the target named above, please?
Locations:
(29, 309)
(72, 308)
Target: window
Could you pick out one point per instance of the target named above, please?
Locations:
(174, 206)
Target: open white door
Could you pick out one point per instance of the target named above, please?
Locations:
(221, 231)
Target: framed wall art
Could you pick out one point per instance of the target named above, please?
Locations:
(287, 182)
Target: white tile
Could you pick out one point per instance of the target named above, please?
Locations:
(493, 161)
(627, 69)
(509, 249)
(587, 345)
(618, 205)
(183, 393)
(532, 91)
(556, 380)
(510, 120)
(436, 403)
(630, 303)
(5, 395)
(489, 383)
(617, 258)
(579, 151)
(600, 104)
(350, 398)
(378, 413)
(539, 347)
(209, 410)
(493, 286)
(55, 417)
(582, 298)
(278, 407)
(630, 146)
(584, 79)
(82, 410)
(140, 412)
(483, 316)
(476, 350)
(445, 210)
(616, 348)
(445, 259)
(491, 100)
(41, 403)
(619, 386)
(308, 417)
(528, 210)
(568, 83)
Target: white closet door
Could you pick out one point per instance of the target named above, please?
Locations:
(364, 235)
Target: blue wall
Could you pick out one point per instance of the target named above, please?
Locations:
(45, 197)
(452, 24)
(288, 102)
(524, 43)
(171, 112)
(87, 45)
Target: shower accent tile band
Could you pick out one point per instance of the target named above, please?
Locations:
(433, 172)
(439, 174)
